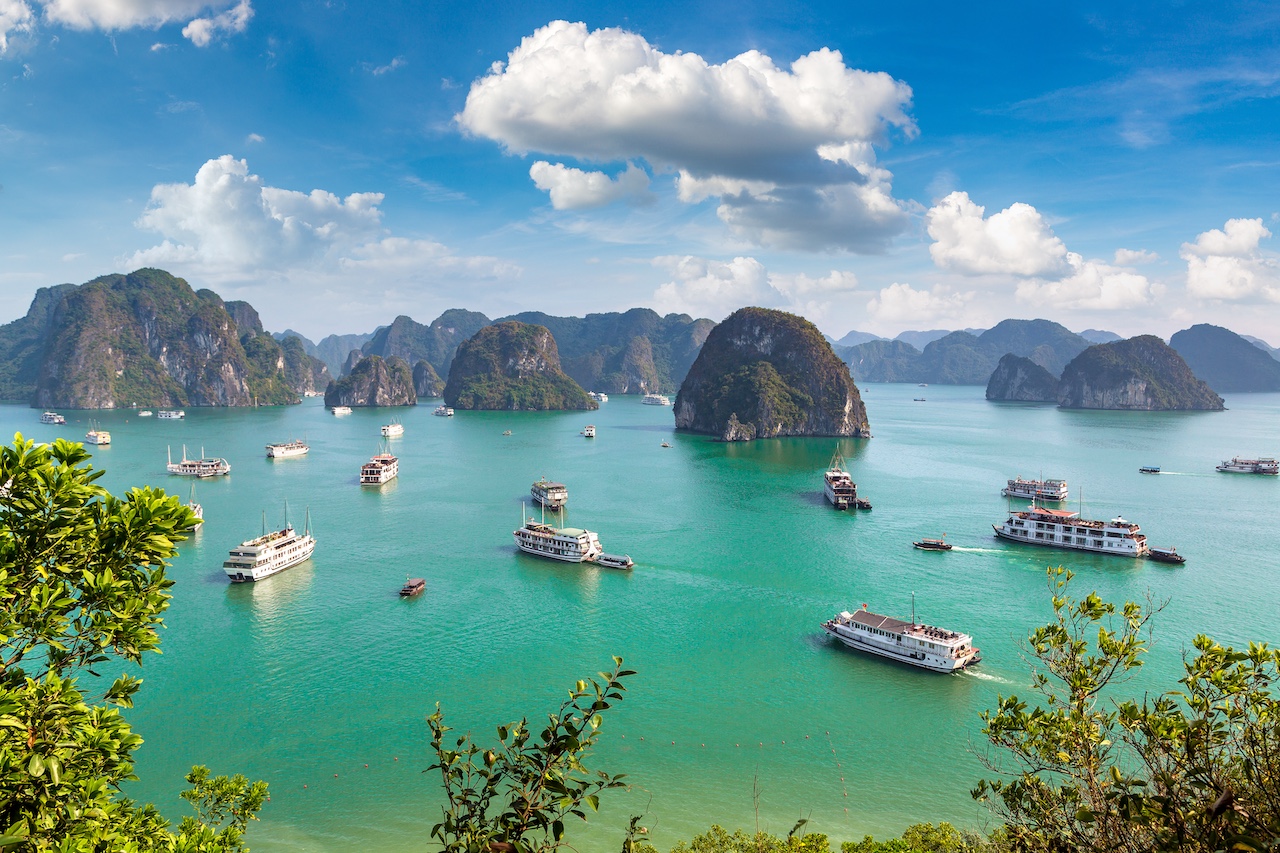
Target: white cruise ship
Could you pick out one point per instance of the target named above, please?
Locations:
(341, 410)
(656, 400)
(598, 396)
(379, 469)
(924, 646)
(171, 415)
(589, 431)
(96, 435)
(202, 467)
(145, 413)
(269, 554)
(288, 449)
(549, 494)
(1237, 465)
(395, 429)
(1060, 528)
(443, 412)
(569, 544)
(52, 418)
(1036, 490)
(838, 486)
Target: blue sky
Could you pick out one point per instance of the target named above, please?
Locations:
(923, 166)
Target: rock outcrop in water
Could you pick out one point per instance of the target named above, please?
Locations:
(1141, 373)
(765, 373)
(1022, 380)
(1227, 361)
(435, 344)
(375, 381)
(512, 366)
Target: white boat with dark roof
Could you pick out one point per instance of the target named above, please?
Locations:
(288, 449)
(567, 544)
(614, 561)
(551, 495)
(1036, 490)
(656, 400)
(172, 415)
(380, 469)
(211, 466)
(1060, 528)
(839, 488)
(925, 646)
(52, 418)
(270, 553)
(1240, 465)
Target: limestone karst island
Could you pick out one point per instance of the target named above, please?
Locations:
(814, 428)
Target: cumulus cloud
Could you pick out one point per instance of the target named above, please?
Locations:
(202, 31)
(900, 304)
(379, 70)
(15, 17)
(1091, 285)
(574, 189)
(782, 148)
(207, 19)
(1135, 257)
(1015, 241)
(711, 288)
(1229, 264)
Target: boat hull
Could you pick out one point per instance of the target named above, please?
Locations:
(564, 558)
(1063, 546)
(926, 663)
(243, 574)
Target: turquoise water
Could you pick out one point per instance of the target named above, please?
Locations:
(323, 669)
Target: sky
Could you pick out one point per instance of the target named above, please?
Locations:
(877, 167)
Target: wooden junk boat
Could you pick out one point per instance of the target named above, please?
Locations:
(412, 587)
(927, 544)
(1165, 555)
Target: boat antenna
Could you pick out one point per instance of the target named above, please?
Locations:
(286, 512)
(168, 449)
(307, 528)
(264, 522)
(913, 608)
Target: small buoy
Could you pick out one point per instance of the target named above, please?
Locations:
(335, 775)
(642, 737)
(806, 737)
(366, 765)
(673, 743)
(737, 744)
(397, 759)
(304, 786)
(846, 793)
(704, 746)
(784, 743)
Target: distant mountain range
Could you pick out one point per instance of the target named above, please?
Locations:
(1263, 345)
(1227, 361)
(332, 350)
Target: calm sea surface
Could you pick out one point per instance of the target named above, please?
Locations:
(318, 680)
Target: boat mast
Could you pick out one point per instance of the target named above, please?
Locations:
(913, 608)
(264, 522)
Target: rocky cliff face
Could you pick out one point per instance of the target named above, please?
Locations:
(426, 382)
(763, 374)
(304, 374)
(375, 381)
(1227, 361)
(1141, 373)
(1021, 379)
(634, 352)
(512, 366)
(22, 344)
(434, 344)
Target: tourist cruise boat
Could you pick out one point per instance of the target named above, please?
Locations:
(443, 412)
(589, 431)
(341, 410)
(549, 494)
(839, 488)
(395, 429)
(1060, 528)
(598, 396)
(202, 467)
(379, 470)
(52, 418)
(171, 415)
(288, 449)
(568, 544)
(925, 646)
(96, 435)
(656, 400)
(145, 413)
(269, 554)
(1237, 465)
(1036, 490)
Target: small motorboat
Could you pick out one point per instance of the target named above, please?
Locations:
(666, 444)
(412, 587)
(927, 544)
(918, 400)
(1166, 555)
(615, 561)
(146, 413)
(506, 432)
(1149, 469)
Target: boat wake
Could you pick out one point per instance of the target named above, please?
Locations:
(978, 550)
(986, 676)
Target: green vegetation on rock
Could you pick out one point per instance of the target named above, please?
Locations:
(435, 344)
(1141, 373)
(1225, 360)
(512, 366)
(1022, 380)
(765, 373)
(375, 381)
(426, 382)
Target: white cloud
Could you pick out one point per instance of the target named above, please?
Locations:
(410, 257)
(710, 288)
(379, 70)
(900, 304)
(254, 138)
(202, 31)
(1229, 264)
(229, 219)
(1135, 257)
(574, 189)
(1092, 285)
(1015, 241)
(15, 17)
(783, 148)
